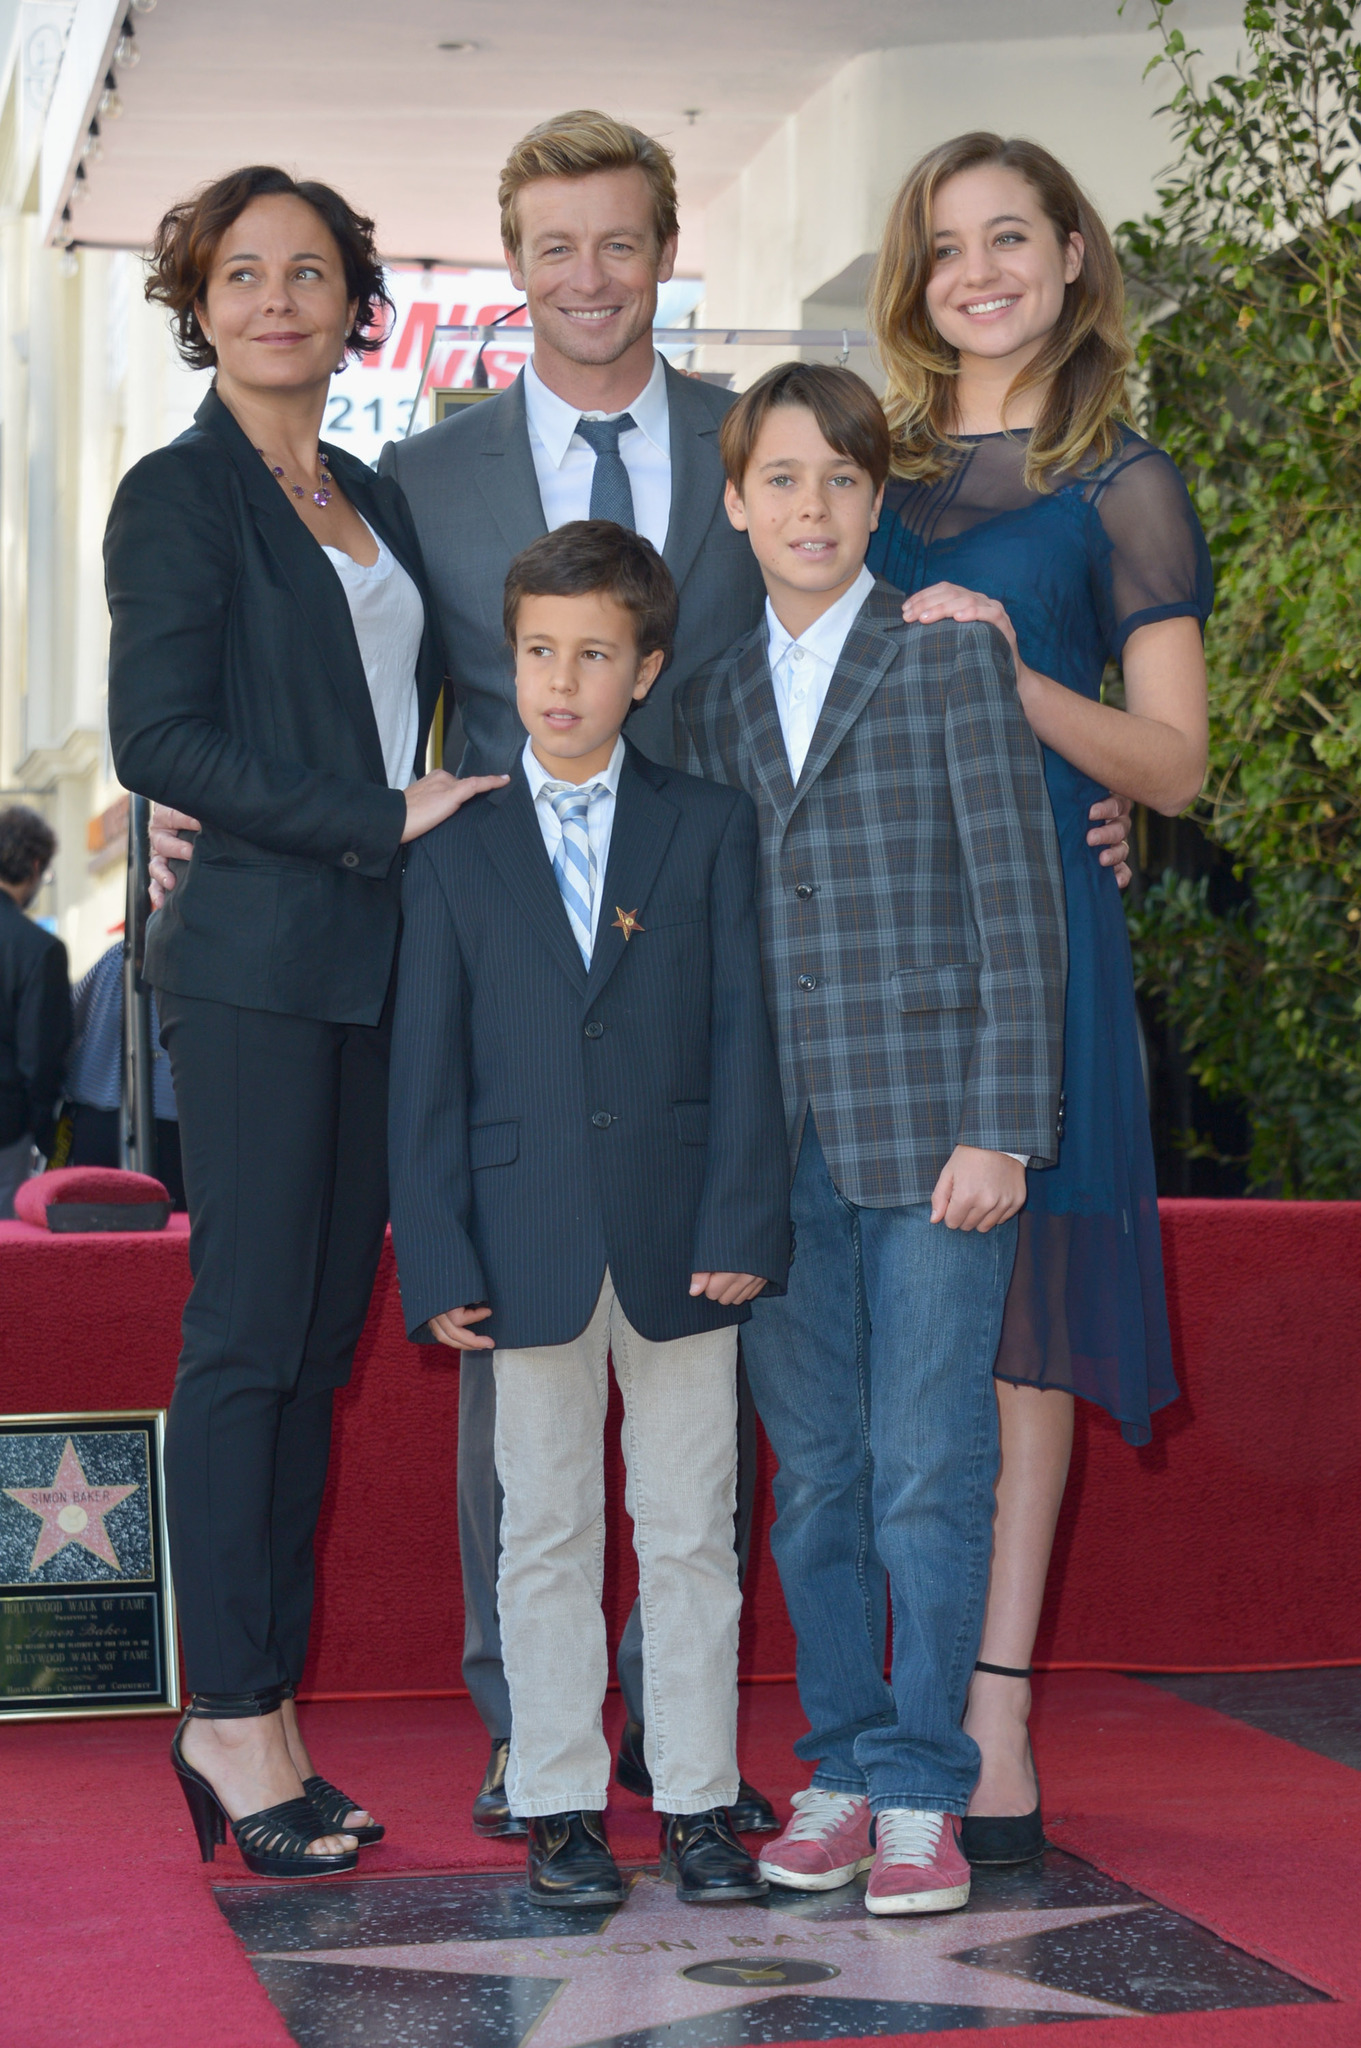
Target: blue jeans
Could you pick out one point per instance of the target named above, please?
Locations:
(873, 1377)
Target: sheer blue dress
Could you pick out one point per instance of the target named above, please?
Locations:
(1079, 569)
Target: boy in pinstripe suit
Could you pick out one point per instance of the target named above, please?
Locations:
(588, 1160)
(912, 941)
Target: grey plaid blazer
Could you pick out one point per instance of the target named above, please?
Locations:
(912, 918)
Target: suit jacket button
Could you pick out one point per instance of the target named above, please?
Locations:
(808, 981)
(602, 1119)
(349, 860)
(803, 890)
(595, 1029)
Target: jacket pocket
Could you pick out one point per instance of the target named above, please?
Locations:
(951, 987)
(690, 912)
(692, 1122)
(493, 1145)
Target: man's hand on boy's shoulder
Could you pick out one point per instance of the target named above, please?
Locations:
(977, 1190)
(452, 1328)
(729, 1290)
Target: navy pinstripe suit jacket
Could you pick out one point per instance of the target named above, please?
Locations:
(547, 1119)
(912, 918)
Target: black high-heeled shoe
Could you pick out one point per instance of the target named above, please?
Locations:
(330, 1802)
(332, 1805)
(273, 1842)
(994, 1840)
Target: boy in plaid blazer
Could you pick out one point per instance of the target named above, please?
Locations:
(912, 937)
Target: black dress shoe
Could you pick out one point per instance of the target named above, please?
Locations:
(570, 1862)
(706, 1862)
(629, 1767)
(752, 1813)
(491, 1808)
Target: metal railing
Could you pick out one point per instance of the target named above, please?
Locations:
(843, 339)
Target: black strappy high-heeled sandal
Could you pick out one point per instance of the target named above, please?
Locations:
(273, 1842)
(999, 1839)
(332, 1805)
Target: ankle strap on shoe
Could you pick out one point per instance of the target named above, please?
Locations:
(1002, 1670)
(237, 1706)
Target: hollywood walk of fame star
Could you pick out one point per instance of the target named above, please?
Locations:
(629, 1974)
(72, 1511)
(626, 921)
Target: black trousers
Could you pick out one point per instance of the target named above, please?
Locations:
(283, 1132)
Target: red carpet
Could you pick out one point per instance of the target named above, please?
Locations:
(1234, 1539)
(111, 1938)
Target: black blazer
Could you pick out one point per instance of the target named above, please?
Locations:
(35, 1026)
(547, 1121)
(237, 693)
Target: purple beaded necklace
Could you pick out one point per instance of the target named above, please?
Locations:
(320, 497)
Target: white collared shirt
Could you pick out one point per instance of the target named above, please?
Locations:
(565, 466)
(802, 669)
(604, 789)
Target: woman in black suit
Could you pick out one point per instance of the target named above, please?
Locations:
(273, 669)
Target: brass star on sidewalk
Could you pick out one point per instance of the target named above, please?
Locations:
(72, 1511)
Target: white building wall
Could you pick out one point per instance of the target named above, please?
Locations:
(811, 204)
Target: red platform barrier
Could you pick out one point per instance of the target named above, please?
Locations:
(1233, 1539)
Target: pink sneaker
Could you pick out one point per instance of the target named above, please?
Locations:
(825, 1844)
(918, 1867)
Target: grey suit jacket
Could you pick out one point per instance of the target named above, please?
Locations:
(912, 918)
(472, 488)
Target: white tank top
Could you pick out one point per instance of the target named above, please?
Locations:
(389, 620)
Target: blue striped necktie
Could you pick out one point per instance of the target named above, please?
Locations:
(611, 491)
(574, 861)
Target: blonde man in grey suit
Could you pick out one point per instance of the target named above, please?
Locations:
(596, 426)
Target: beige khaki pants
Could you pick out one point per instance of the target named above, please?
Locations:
(680, 1449)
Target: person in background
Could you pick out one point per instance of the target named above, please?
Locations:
(89, 1129)
(1021, 499)
(35, 1003)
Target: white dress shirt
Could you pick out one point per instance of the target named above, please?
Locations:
(599, 817)
(802, 669)
(565, 466)
(389, 620)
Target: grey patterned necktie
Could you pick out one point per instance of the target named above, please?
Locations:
(611, 491)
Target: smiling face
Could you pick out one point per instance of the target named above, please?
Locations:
(274, 303)
(577, 672)
(808, 512)
(996, 291)
(589, 264)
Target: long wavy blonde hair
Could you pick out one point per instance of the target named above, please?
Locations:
(1083, 362)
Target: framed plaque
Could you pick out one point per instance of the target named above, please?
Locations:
(87, 1617)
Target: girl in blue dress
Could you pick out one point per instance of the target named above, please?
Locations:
(1020, 498)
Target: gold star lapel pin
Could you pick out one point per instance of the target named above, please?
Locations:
(626, 921)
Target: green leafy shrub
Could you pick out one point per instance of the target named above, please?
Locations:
(1249, 275)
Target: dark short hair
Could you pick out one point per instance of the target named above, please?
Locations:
(590, 555)
(189, 236)
(27, 844)
(849, 416)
